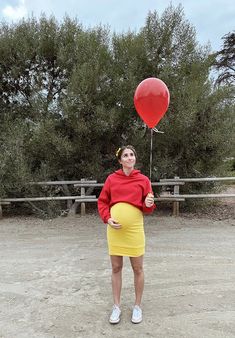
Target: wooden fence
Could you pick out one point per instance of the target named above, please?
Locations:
(86, 188)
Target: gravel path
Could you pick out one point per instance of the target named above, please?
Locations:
(55, 279)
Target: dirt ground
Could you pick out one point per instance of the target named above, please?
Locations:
(55, 279)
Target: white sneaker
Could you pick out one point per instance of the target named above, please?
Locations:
(115, 315)
(136, 315)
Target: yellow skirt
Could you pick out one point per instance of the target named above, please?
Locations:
(130, 239)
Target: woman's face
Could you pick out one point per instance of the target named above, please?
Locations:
(128, 159)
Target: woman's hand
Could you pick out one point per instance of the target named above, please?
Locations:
(114, 224)
(149, 200)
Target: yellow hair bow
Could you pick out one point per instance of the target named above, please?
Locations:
(117, 152)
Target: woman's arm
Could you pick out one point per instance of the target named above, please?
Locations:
(148, 204)
(104, 202)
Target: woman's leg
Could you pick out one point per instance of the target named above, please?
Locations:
(117, 263)
(137, 266)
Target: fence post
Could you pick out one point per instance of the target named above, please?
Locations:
(176, 204)
(83, 193)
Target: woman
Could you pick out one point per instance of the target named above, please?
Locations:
(126, 194)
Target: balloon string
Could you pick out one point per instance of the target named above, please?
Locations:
(151, 155)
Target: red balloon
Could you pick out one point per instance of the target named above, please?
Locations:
(151, 100)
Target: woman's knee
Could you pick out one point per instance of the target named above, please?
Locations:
(138, 269)
(117, 263)
(137, 265)
(116, 268)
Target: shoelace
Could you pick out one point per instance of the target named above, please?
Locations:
(116, 311)
(137, 311)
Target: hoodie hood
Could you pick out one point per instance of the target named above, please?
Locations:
(120, 172)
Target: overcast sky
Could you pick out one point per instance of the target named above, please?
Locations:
(212, 19)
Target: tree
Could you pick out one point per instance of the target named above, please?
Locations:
(225, 60)
(195, 141)
(66, 100)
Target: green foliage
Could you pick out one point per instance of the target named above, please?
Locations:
(14, 169)
(66, 101)
(225, 60)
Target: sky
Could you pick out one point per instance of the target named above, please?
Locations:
(212, 19)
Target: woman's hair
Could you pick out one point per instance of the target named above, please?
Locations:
(120, 151)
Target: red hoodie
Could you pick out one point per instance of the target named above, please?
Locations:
(119, 187)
